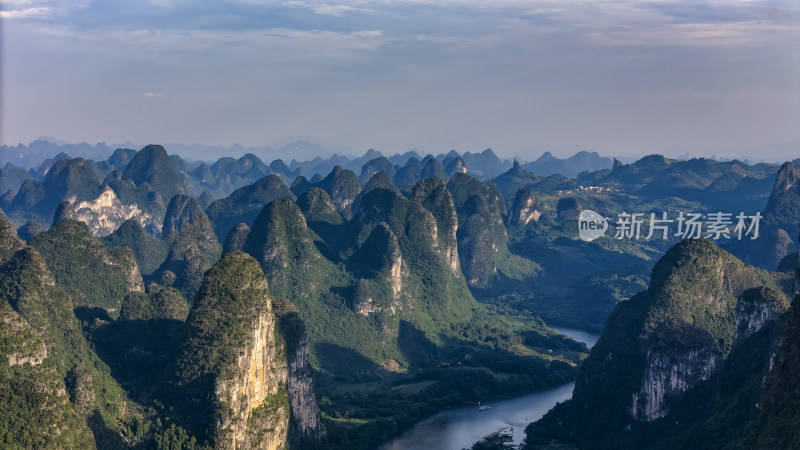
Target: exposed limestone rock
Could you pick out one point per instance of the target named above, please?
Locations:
(756, 308)
(396, 273)
(457, 165)
(233, 367)
(660, 347)
(380, 254)
(434, 196)
(673, 366)
(482, 236)
(524, 209)
(106, 213)
(305, 419)
(253, 393)
(788, 178)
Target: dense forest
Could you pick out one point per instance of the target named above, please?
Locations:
(151, 301)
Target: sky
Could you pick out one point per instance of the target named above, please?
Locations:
(621, 77)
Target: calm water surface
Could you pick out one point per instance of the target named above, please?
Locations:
(454, 429)
(581, 336)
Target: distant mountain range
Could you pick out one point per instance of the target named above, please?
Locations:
(584, 161)
(311, 157)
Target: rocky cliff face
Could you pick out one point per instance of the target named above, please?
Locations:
(305, 422)
(106, 213)
(525, 208)
(482, 236)
(696, 322)
(381, 252)
(673, 364)
(778, 415)
(480, 240)
(779, 223)
(787, 178)
(454, 166)
(20, 344)
(756, 308)
(257, 415)
(343, 186)
(434, 196)
(395, 262)
(400, 243)
(245, 392)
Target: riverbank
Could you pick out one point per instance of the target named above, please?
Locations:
(459, 428)
(579, 335)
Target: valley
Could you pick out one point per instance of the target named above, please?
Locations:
(399, 225)
(228, 304)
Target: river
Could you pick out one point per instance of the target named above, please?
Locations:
(455, 429)
(581, 336)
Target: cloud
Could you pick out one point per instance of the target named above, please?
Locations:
(445, 67)
(330, 9)
(735, 34)
(26, 12)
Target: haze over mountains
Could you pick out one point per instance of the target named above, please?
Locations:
(313, 158)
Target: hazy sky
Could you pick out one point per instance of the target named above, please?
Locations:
(622, 77)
